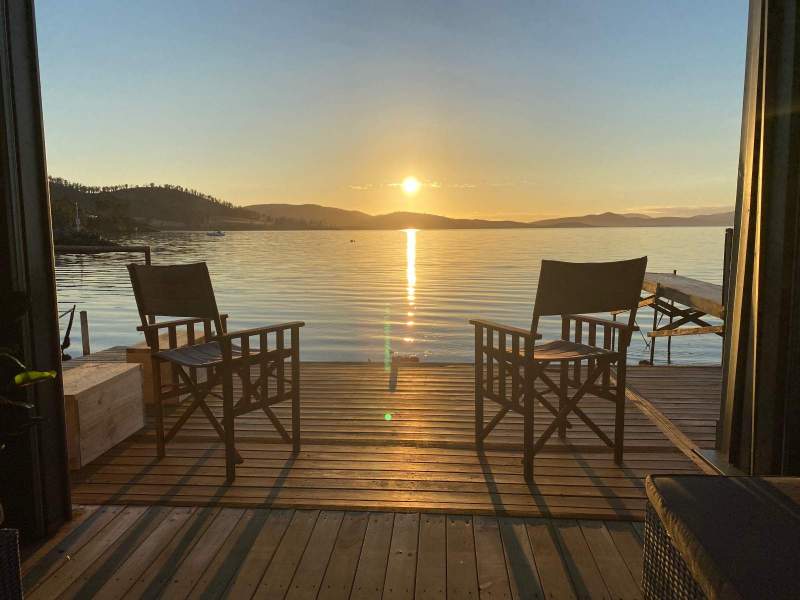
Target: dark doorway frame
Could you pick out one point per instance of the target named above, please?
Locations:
(27, 261)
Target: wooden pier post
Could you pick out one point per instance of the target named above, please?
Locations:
(85, 333)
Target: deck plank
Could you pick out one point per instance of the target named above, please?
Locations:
(341, 569)
(153, 579)
(59, 580)
(284, 553)
(521, 565)
(629, 546)
(490, 559)
(192, 568)
(431, 581)
(402, 563)
(140, 558)
(462, 572)
(615, 572)
(586, 578)
(281, 570)
(553, 569)
(51, 555)
(371, 572)
(689, 397)
(259, 555)
(217, 575)
(308, 577)
(101, 571)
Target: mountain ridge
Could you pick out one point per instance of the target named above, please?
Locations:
(122, 209)
(350, 219)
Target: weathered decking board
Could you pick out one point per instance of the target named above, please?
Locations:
(423, 459)
(113, 354)
(116, 551)
(688, 396)
(694, 293)
(428, 405)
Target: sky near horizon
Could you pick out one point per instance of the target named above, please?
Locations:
(517, 110)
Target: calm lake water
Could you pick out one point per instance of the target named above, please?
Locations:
(366, 294)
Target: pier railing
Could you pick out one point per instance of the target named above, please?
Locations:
(103, 249)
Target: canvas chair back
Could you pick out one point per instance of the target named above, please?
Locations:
(595, 287)
(182, 291)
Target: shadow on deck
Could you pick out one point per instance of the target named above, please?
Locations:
(358, 514)
(366, 447)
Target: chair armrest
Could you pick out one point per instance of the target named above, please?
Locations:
(242, 333)
(603, 322)
(175, 323)
(518, 331)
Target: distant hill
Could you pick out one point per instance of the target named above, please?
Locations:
(609, 219)
(351, 219)
(111, 210)
(314, 213)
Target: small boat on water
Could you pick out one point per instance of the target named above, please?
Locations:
(216, 233)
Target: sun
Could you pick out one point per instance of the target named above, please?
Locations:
(410, 185)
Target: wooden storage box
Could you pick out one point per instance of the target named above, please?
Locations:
(103, 406)
(140, 355)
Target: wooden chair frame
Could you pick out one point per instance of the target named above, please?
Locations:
(507, 369)
(221, 355)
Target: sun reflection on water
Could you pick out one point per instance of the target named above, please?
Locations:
(411, 278)
(411, 264)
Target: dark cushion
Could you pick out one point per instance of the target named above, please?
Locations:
(739, 536)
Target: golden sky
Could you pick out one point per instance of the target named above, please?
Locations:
(511, 110)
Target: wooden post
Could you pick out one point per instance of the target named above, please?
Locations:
(227, 410)
(295, 390)
(669, 338)
(85, 333)
(155, 369)
(528, 409)
(655, 326)
(726, 264)
(479, 385)
(619, 414)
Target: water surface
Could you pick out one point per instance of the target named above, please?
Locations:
(366, 294)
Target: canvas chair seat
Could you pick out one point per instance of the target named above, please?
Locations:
(209, 354)
(559, 350)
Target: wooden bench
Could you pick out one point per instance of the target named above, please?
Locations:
(103, 406)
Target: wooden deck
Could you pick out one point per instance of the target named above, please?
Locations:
(689, 397)
(371, 442)
(377, 507)
(112, 552)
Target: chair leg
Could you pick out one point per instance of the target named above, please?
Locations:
(619, 421)
(527, 426)
(227, 423)
(158, 405)
(295, 390)
(562, 398)
(479, 387)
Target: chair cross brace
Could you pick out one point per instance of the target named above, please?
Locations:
(514, 404)
(198, 394)
(571, 405)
